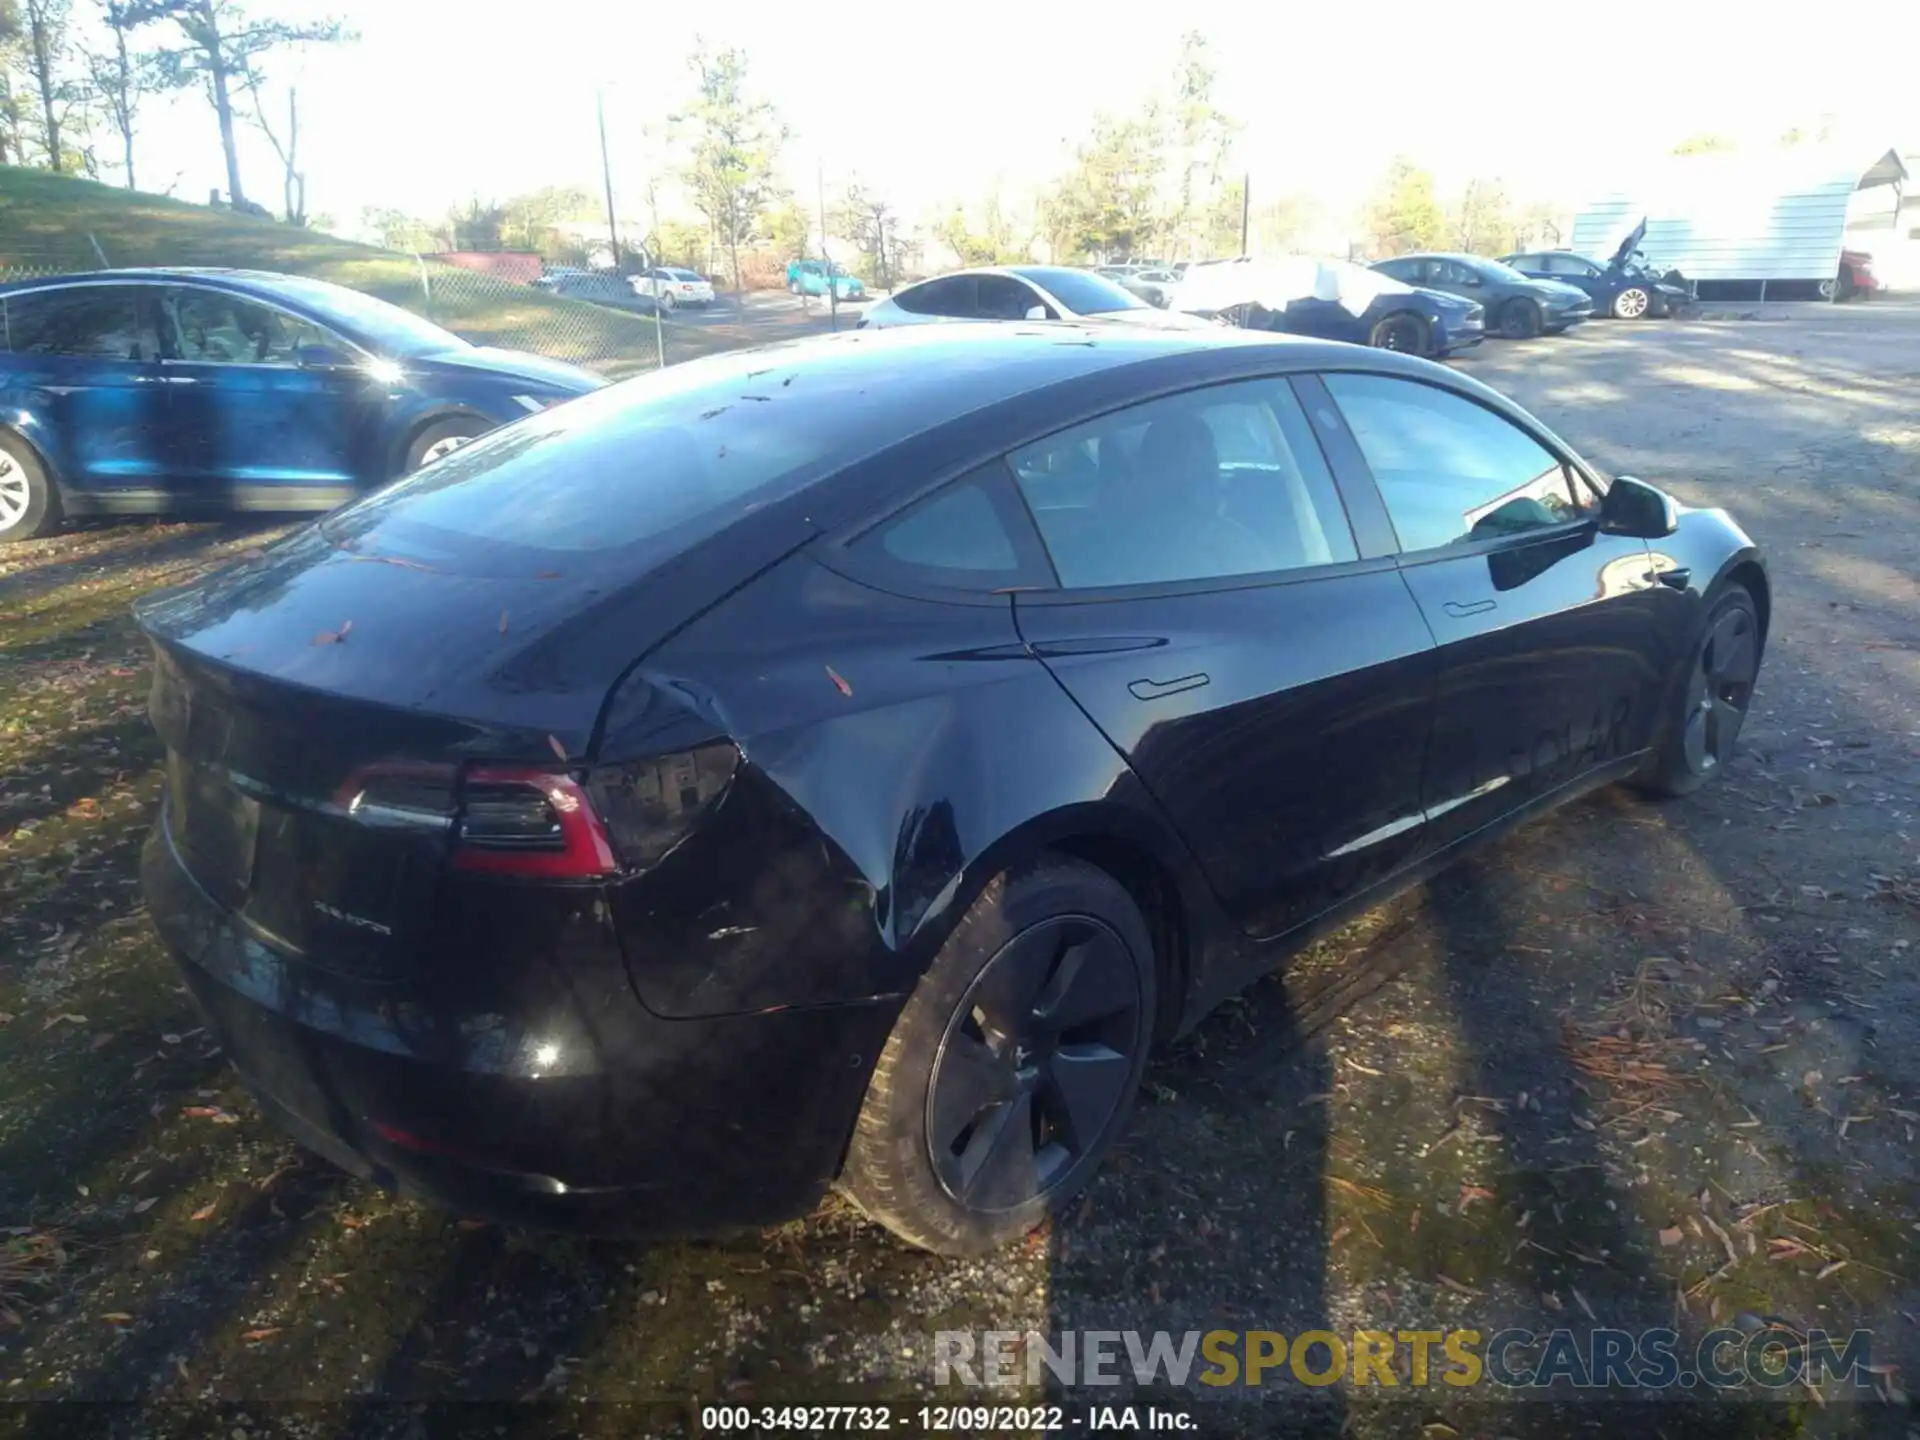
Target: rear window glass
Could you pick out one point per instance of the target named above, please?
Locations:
(661, 462)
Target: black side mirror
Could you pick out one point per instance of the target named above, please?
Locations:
(1638, 510)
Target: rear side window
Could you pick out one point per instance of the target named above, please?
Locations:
(969, 535)
(95, 322)
(1207, 485)
(1451, 471)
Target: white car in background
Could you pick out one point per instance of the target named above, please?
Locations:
(1019, 292)
(671, 287)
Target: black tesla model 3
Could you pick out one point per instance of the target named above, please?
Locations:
(838, 763)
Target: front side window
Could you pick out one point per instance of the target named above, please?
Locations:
(1449, 470)
(213, 327)
(1211, 484)
(94, 322)
(1000, 298)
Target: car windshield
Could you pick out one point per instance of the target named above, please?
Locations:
(385, 327)
(1082, 291)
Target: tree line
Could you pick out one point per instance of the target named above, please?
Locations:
(75, 76)
(1158, 179)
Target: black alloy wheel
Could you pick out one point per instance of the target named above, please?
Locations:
(1400, 333)
(1708, 705)
(1520, 320)
(1037, 1062)
(1012, 1066)
(1720, 688)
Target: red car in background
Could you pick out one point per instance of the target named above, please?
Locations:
(1855, 276)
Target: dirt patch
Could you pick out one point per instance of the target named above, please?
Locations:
(1640, 1065)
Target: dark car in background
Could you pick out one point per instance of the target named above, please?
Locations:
(1019, 292)
(1624, 288)
(872, 773)
(1517, 306)
(150, 391)
(1331, 300)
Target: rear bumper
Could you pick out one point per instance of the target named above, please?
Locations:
(629, 1125)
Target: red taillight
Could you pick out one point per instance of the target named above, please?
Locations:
(530, 823)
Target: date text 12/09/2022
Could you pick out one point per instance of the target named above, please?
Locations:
(945, 1419)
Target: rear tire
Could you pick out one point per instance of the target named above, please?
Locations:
(440, 438)
(1520, 320)
(1707, 703)
(1012, 1066)
(1403, 333)
(29, 500)
(1632, 303)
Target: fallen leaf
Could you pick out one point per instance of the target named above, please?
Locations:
(839, 682)
(201, 1112)
(63, 1020)
(1582, 1301)
(1830, 1269)
(503, 622)
(334, 637)
(1672, 1236)
(1471, 1193)
(117, 1317)
(265, 1332)
(1455, 1286)
(145, 1205)
(169, 1039)
(558, 748)
(205, 1212)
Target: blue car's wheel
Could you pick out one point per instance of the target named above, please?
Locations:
(1403, 332)
(442, 438)
(29, 504)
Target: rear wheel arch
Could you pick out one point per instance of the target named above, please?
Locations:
(1146, 865)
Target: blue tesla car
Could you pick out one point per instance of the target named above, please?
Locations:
(151, 391)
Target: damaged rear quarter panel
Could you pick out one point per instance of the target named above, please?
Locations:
(896, 756)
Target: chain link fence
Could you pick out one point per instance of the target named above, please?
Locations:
(616, 335)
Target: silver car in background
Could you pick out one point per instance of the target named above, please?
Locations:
(1020, 292)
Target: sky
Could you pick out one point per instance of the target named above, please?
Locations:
(439, 102)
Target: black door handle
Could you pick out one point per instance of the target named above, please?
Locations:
(1154, 689)
(1460, 609)
(1673, 579)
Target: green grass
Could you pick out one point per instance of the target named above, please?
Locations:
(52, 223)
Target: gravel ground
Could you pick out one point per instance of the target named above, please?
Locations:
(1640, 1065)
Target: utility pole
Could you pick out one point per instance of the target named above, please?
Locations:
(826, 264)
(606, 176)
(1246, 208)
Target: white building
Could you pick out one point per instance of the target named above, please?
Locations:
(1773, 217)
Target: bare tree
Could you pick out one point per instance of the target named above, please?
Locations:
(286, 145)
(46, 59)
(866, 220)
(225, 50)
(735, 141)
(10, 33)
(121, 78)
